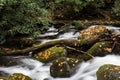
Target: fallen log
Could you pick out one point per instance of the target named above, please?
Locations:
(73, 43)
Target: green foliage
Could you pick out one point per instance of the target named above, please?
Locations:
(64, 8)
(116, 8)
(22, 17)
(78, 25)
(96, 3)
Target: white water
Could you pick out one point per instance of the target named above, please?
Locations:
(38, 71)
(72, 35)
(86, 71)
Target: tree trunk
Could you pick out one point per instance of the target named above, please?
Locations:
(73, 43)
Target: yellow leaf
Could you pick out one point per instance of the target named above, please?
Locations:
(108, 49)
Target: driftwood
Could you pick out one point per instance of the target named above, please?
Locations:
(73, 43)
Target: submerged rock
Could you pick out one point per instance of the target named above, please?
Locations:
(108, 72)
(63, 67)
(18, 76)
(51, 54)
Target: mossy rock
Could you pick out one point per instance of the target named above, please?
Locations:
(63, 67)
(18, 76)
(108, 72)
(78, 25)
(93, 33)
(99, 49)
(51, 54)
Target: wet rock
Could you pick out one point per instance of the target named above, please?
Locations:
(93, 33)
(108, 72)
(51, 54)
(18, 76)
(63, 67)
(7, 61)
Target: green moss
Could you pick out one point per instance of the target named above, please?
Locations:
(78, 25)
(83, 42)
(51, 54)
(98, 49)
(18, 76)
(108, 72)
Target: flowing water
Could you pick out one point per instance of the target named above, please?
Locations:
(40, 71)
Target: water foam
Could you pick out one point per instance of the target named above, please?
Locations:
(39, 71)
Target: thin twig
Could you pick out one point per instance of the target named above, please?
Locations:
(79, 51)
(114, 44)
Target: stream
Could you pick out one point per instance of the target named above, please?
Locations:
(40, 71)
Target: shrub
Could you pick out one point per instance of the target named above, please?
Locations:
(22, 17)
(66, 8)
(116, 8)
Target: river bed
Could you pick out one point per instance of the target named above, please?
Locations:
(40, 71)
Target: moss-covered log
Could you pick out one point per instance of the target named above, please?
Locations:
(99, 49)
(74, 43)
(19, 42)
(108, 72)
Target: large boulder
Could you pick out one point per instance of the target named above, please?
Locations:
(51, 54)
(108, 72)
(63, 67)
(18, 76)
(93, 33)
